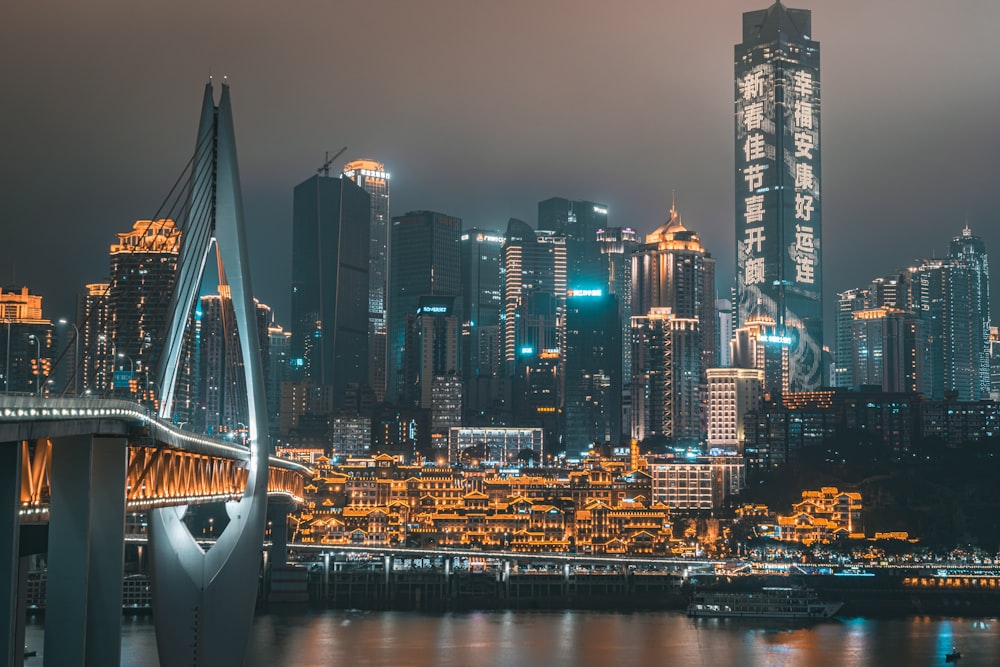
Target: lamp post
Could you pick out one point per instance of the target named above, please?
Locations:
(38, 363)
(76, 355)
(131, 370)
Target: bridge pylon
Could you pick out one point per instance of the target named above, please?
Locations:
(203, 600)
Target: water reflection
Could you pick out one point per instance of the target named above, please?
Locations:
(581, 639)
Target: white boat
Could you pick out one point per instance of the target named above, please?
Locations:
(769, 602)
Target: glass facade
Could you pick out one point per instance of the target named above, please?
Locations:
(778, 175)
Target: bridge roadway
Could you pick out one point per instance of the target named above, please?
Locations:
(61, 458)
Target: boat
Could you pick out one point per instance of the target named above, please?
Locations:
(954, 656)
(785, 602)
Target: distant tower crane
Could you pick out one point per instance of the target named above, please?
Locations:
(325, 169)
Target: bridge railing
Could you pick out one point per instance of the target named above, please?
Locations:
(166, 465)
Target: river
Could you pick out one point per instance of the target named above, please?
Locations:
(583, 639)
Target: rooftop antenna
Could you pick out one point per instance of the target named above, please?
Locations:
(325, 169)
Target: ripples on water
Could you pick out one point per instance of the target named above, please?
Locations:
(582, 639)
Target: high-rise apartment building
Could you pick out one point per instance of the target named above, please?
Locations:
(592, 368)
(778, 175)
(330, 287)
(92, 321)
(372, 177)
(425, 261)
(26, 338)
(952, 298)
(887, 349)
(143, 268)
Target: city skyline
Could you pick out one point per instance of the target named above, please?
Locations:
(532, 118)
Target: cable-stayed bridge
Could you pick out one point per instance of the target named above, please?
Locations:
(82, 463)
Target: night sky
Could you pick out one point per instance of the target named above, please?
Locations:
(480, 110)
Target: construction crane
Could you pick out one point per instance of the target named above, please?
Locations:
(325, 169)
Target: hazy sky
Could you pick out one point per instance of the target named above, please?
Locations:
(481, 109)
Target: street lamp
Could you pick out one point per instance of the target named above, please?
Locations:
(131, 364)
(38, 363)
(76, 355)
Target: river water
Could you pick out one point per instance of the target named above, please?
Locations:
(583, 639)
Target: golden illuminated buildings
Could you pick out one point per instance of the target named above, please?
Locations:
(26, 339)
(732, 393)
(673, 325)
(92, 320)
(143, 268)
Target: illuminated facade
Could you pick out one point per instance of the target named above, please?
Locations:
(503, 443)
(732, 393)
(430, 360)
(425, 261)
(372, 177)
(673, 270)
(666, 376)
(701, 484)
(778, 175)
(330, 306)
(92, 318)
(27, 338)
(143, 269)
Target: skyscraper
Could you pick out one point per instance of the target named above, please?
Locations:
(372, 177)
(143, 267)
(673, 270)
(580, 222)
(425, 261)
(617, 245)
(330, 312)
(27, 339)
(778, 203)
(952, 297)
(482, 303)
(592, 368)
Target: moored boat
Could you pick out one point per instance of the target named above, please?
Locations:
(786, 602)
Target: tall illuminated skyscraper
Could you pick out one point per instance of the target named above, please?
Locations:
(372, 177)
(329, 344)
(778, 175)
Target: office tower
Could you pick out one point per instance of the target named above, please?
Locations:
(952, 297)
(778, 175)
(580, 222)
(887, 349)
(26, 339)
(673, 270)
(425, 261)
(534, 306)
(848, 302)
(534, 291)
(617, 245)
(592, 368)
(732, 393)
(482, 303)
(372, 177)
(330, 245)
(143, 268)
(430, 361)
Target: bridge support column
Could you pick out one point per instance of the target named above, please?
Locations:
(86, 551)
(11, 649)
